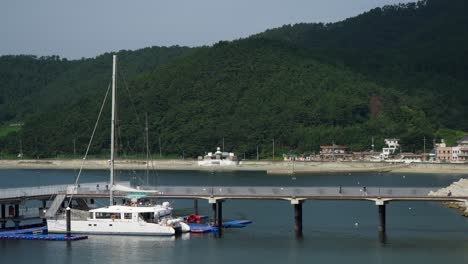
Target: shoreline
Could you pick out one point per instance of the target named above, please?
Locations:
(270, 167)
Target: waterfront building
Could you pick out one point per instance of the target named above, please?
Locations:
(463, 149)
(455, 153)
(392, 146)
(458, 153)
(443, 153)
(333, 152)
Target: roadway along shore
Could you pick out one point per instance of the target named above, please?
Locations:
(271, 167)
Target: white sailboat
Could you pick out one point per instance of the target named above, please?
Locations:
(133, 219)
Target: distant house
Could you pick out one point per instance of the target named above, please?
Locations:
(457, 153)
(333, 152)
(392, 146)
(408, 156)
(443, 153)
(463, 149)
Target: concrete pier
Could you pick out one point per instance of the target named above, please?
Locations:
(382, 226)
(213, 206)
(68, 222)
(220, 217)
(16, 220)
(195, 206)
(297, 217)
(44, 207)
(296, 195)
(2, 218)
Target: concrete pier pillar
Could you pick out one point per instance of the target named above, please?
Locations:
(44, 207)
(298, 219)
(220, 217)
(3, 218)
(16, 220)
(195, 206)
(213, 206)
(68, 222)
(297, 216)
(16, 210)
(382, 226)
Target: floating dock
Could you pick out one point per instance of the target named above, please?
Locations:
(37, 234)
(208, 228)
(202, 228)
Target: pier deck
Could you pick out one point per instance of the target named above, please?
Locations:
(236, 192)
(216, 195)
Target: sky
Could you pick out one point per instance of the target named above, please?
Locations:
(87, 28)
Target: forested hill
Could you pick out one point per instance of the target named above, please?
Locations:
(420, 49)
(391, 72)
(31, 85)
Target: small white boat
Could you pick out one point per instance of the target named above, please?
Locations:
(218, 159)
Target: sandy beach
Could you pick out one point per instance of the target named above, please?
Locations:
(271, 167)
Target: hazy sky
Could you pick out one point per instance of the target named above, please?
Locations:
(86, 28)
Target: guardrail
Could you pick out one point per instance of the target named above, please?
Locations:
(21, 192)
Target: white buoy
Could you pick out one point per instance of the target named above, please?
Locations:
(356, 224)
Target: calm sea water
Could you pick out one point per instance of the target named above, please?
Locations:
(334, 231)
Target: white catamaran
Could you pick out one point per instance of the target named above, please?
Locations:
(133, 219)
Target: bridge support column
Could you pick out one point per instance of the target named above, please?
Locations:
(44, 208)
(213, 203)
(195, 206)
(297, 217)
(3, 219)
(68, 221)
(16, 220)
(16, 210)
(382, 209)
(220, 217)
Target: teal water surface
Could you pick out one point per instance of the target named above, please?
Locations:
(334, 231)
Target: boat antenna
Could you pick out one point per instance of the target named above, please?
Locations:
(114, 62)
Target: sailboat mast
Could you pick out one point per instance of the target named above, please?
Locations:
(114, 62)
(147, 149)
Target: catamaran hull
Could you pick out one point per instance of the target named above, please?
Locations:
(111, 228)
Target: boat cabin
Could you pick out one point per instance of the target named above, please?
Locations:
(152, 214)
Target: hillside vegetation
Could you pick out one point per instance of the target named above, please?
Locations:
(397, 71)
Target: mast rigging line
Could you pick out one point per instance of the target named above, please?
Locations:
(90, 142)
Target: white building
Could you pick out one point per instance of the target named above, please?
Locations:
(392, 146)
